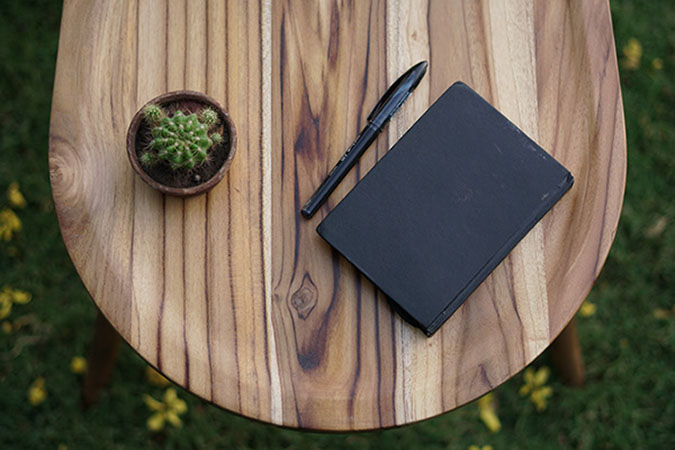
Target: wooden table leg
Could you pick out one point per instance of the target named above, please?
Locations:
(101, 361)
(566, 356)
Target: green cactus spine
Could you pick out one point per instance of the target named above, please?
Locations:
(183, 142)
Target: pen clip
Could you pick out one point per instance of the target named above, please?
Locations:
(386, 97)
(397, 93)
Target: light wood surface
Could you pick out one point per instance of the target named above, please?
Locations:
(232, 294)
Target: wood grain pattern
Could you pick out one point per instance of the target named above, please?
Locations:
(232, 294)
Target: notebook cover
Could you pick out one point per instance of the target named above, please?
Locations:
(444, 206)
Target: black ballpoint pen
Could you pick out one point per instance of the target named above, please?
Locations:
(390, 102)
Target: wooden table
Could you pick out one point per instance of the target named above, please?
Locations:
(232, 294)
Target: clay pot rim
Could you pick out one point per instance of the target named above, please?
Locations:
(177, 96)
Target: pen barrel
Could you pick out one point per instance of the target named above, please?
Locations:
(340, 170)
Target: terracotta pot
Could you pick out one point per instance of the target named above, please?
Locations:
(221, 154)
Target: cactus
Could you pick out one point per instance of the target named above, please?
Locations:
(216, 138)
(208, 117)
(180, 141)
(153, 114)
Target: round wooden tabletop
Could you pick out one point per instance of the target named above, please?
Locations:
(232, 294)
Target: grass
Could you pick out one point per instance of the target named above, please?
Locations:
(628, 343)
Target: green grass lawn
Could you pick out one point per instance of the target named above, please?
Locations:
(629, 343)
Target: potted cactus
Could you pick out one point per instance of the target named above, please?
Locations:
(181, 143)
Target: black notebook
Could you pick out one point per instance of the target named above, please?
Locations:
(444, 206)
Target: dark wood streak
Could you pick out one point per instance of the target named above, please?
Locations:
(163, 297)
(207, 294)
(319, 344)
(357, 276)
(394, 356)
(378, 354)
(466, 47)
(461, 345)
(493, 295)
(229, 241)
(555, 146)
(282, 58)
(484, 376)
(508, 268)
(297, 409)
(277, 299)
(166, 45)
(282, 67)
(231, 281)
(333, 43)
(359, 332)
(278, 303)
(116, 118)
(135, 88)
(378, 351)
(185, 43)
(608, 177)
(597, 124)
(309, 138)
(364, 87)
(133, 200)
(307, 358)
(299, 147)
(185, 344)
(486, 60)
(559, 104)
(206, 230)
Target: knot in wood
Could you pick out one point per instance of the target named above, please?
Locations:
(305, 298)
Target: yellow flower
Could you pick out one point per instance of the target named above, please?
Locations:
(475, 447)
(37, 392)
(5, 305)
(8, 296)
(9, 223)
(155, 377)
(632, 53)
(165, 411)
(21, 297)
(15, 196)
(6, 327)
(62, 447)
(535, 386)
(488, 413)
(587, 309)
(657, 63)
(540, 396)
(78, 365)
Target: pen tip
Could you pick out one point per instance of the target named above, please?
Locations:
(421, 67)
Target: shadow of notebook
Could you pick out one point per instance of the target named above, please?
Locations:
(445, 206)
